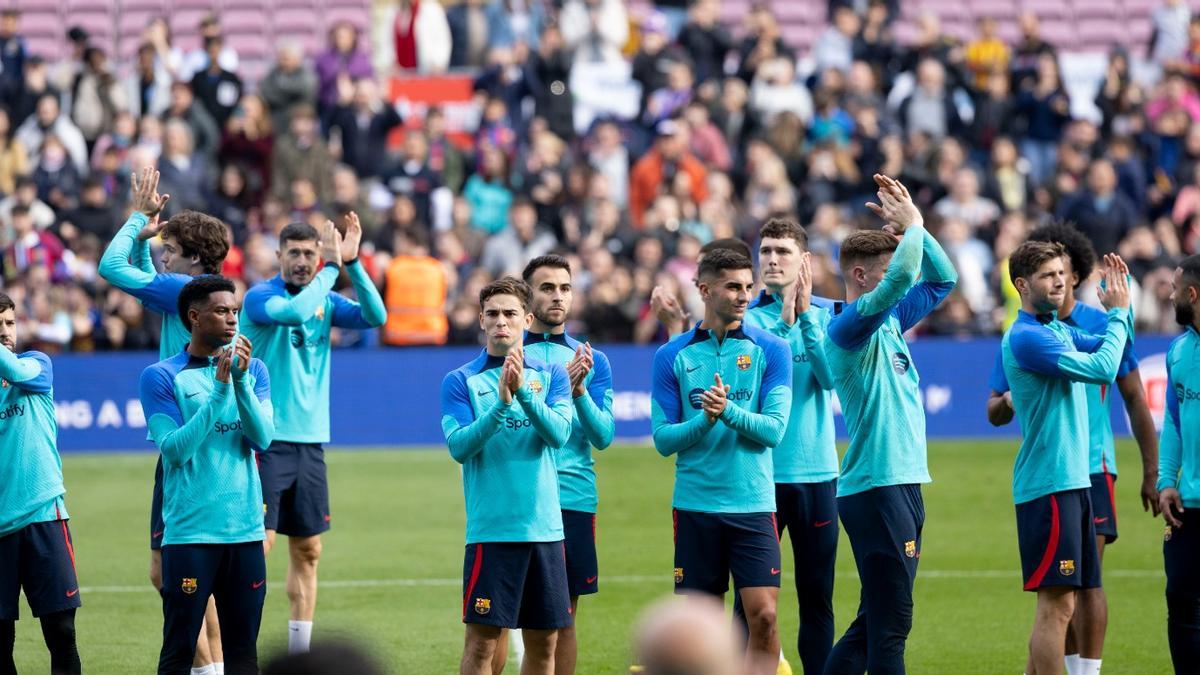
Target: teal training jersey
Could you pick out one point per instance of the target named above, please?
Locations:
(808, 452)
(126, 264)
(593, 424)
(874, 374)
(31, 479)
(290, 329)
(1047, 364)
(722, 466)
(507, 451)
(1179, 445)
(207, 432)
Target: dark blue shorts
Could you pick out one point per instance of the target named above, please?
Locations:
(1104, 505)
(1181, 556)
(156, 520)
(41, 559)
(1057, 538)
(295, 488)
(709, 547)
(583, 570)
(516, 585)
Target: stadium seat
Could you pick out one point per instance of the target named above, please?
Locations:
(1047, 10)
(46, 46)
(358, 17)
(42, 24)
(245, 20)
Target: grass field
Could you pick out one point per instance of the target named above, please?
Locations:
(392, 567)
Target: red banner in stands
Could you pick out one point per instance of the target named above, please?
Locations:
(454, 94)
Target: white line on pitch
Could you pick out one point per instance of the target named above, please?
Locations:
(637, 579)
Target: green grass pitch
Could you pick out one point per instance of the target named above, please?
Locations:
(392, 566)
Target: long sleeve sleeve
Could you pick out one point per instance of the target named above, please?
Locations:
(116, 266)
(551, 419)
(594, 407)
(767, 426)
(812, 332)
(938, 278)
(673, 437)
(466, 435)
(1170, 443)
(1094, 360)
(254, 406)
(859, 320)
(176, 442)
(31, 373)
(369, 311)
(270, 305)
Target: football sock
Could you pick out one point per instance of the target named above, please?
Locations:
(219, 668)
(1089, 666)
(299, 635)
(204, 670)
(1072, 662)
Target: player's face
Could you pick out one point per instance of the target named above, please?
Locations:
(298, 262)
(215, 322)
(504, 321)
(551, 302)
(8, 329)
(1047, 287)
(173, 259)
(779, 262)
(728, 294)
(1183, 295)
(869, 276)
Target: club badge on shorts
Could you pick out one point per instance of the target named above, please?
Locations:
(910, 548)
(1167, 534)
(483, 606)
(189, 585)
(743, 362)
(679, 575)
(1066, 567)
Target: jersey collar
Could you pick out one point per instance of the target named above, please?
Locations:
(703, 334)
(1042, 319)
(532, 338)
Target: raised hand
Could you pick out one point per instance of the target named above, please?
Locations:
(506, 395)
(1114, 292)
(667, 308)
(714, 400)
(516, 368)
(804, 285)
(146, 198)
(224, 363)
(895, 205)
(579, 367)
(242, 350)
(352, 239)
(331, 244)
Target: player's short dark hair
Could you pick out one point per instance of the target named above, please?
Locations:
(298, 231)
(1079, 247)
(784, 228)
(551, 260)
(18, 210)
(720, 260)
(198, 290)
(6, 303)
(200, 235)
(1189, 265)
(1030, 256)
(727, 244)
(506, 286)
(865, 246)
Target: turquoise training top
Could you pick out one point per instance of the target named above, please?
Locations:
(722, 466)
(1179, 445)
(593, 424)
(31, 479)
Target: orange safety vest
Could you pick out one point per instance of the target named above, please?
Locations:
(415, 295)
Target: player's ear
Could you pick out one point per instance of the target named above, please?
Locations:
(528, 319)
(1022, 285)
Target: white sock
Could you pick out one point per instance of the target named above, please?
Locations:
(516, 648)
(1072, 662)
(204, 670)
(1089, 666)
(219, 668)
(299, 635)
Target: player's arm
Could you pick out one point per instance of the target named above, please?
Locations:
(254, 401)
(671, 433)
(33, 373)
(938, 278)
(594, 407)
(813, 325)
(767, 426)
(861, 318)
(1000, 409)
(176, 440)
(269, 304)
(1040, 351)
(466, 435)
(1170, 454)
(551, 419)
(1142, 425)
(368, 312)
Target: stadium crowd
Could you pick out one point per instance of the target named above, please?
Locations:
(725, 133)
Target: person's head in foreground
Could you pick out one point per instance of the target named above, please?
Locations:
(686, 636)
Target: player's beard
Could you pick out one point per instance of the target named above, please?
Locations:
(544, 319)
(1185, 315)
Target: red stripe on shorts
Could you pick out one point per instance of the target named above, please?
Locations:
(1051, 547)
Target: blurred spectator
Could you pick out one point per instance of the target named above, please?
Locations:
(48, 120)
(610, 157)
(348, 193)
(94, 215)
(96, 96)
(25, 194)
(167, 56)
(343, 61)
(655, 57)
(876, 42)
(595, 30)
(763, 41)
(931, 108)
(995, 115)
(410, 175)
(58, 179)
(414, 291)
(445, 158)
(247, 143)
(987, 56)
(1007, 183)
(507, 251)
(412, 35)
(965, 204)
(364, 121)
(707, 142)
(732, 117)
(148, 87)
(470, 24)
(659, 166)
(1046, 110)
(197, 60)
(185, 175)
(1029, 51)
(14, 159)
(32, 249)
(1169, 39)
(217, 89)
(290, 83)
(550, 72)
(22, 97)
(776, 90)
(299, 153)
(13, 50)
(1101, 212)
(705, 40)
(206, 135)
(834, 48)
(489, 191)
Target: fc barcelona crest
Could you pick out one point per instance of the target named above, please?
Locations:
(320, 314)
(189, 585)
(679, 575)
(1167, 534)
(483, 605)
(1066, 567)
(743, 362)
(535, 386)
(910, 548)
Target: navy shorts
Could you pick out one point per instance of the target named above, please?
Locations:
(516, 585)
(41, 559)
(156, 520)
(1057, 538)
(1104, 505)
(711, 546)
(583, 570)
(1181, 556)
(295, 489)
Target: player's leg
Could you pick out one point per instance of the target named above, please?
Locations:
(1181, 559)
(752, 546)
(540, 646)
(303, 523)
(8, 642)
(762, 650)
(545, 606)
(58, 632)
(566, 650)
(10, 595)
(889, 571)
(479, 649)
(208, 645)
(500, 657)
(1055, 605)
(304, 554)
(188, 574)
(493, 579)
(52, 589)
(1090, 621)
(212, 630)
(240, 590)
(583, 574)
(156, 528)
(701, 558)
(814, 550)
(849, 653)
(276, 473)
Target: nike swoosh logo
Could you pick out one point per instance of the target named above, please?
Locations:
(592, 580)
(482, 393)
(71, 594)
(822, 523)
(774, 572)
(1097, 521)
(192, 395)
(693, 369)
(156, 535)
(258, 584)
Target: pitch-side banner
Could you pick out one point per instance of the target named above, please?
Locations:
(391, 397)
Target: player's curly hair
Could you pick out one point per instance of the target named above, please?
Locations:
(506, 286)
(551, 260)
(1025, 261)
(715, 262)
(784, 228)
(200, 235)
(198, 290)
(1079, 247)
(864, 246)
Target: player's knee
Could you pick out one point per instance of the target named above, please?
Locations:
(307, 551)
(1183, 609)
(762, 620)
(59, 628)
(1057, 608)
(479, 649)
